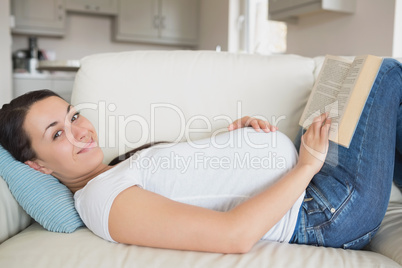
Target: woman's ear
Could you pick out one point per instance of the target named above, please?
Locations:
(38, 167)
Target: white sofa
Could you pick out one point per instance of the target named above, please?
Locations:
(133, 97)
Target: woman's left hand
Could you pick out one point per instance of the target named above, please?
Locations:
(256, 123)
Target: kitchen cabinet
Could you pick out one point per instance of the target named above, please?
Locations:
(61, 84)
(290, 10)
(39, 17)
(104, 7)
(158, 21)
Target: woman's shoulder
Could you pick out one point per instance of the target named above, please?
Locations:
(117, 176)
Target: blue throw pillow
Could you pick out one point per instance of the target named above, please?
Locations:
(42, 196)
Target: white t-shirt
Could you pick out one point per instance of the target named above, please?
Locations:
(216, 173)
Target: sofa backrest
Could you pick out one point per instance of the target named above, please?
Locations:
(136, 97)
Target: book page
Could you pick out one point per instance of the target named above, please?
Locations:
(344, 94)
(324, 96)
(350, 81)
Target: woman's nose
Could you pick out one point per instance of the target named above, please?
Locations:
(80, 133)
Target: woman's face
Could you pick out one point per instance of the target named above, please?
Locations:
(66, 143)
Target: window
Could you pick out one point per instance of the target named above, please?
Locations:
(263, 36)
(397, 45)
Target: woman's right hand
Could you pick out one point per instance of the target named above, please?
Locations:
(256, 123)
(314, 144)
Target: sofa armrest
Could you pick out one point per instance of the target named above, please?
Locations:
(396, 195)
(13, 218)
(388, 239)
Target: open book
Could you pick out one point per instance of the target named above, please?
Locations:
(342, 88)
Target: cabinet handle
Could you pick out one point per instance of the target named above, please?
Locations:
(163, 25)
(156, 21)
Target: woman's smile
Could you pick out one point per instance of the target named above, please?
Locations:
(90, 145)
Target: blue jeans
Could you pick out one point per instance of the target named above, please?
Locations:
(346, 201)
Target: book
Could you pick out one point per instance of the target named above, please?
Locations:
(341, 89)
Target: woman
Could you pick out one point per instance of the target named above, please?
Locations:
(339, 203)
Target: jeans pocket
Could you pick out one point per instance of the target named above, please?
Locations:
(315, 202)
(362, 241)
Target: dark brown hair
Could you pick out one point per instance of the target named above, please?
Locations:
(127, 155)
(12, 116)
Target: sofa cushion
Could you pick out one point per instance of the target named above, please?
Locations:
(396, 195)
(42, 196)
(83, 249)
(388, 239)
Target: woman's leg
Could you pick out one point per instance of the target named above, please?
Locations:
(347, 200)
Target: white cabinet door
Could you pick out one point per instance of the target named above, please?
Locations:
(43, 17)
(289, 10)
(158, 21)
(24, 83)
(179, 20)
(137, 20)
(22, 86)
(107, 7)
(279, 5)
(63, 87)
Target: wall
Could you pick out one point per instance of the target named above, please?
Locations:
(397, 45)
(368, 31)
(5, 54)
(85, 35)
(221, 24)
(214, 24)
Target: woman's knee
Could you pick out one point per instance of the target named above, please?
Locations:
(389, 63)
(389, 79)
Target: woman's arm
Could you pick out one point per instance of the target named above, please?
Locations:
(143, 218)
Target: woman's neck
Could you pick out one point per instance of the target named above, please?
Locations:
(79, 183)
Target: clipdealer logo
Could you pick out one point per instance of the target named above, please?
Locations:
(116, 130)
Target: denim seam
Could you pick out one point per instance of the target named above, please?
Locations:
(370, 235)
(320, 238)
(340, 209)
(304, 229)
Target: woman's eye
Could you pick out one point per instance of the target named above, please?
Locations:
(75, 117)
(57, 134)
